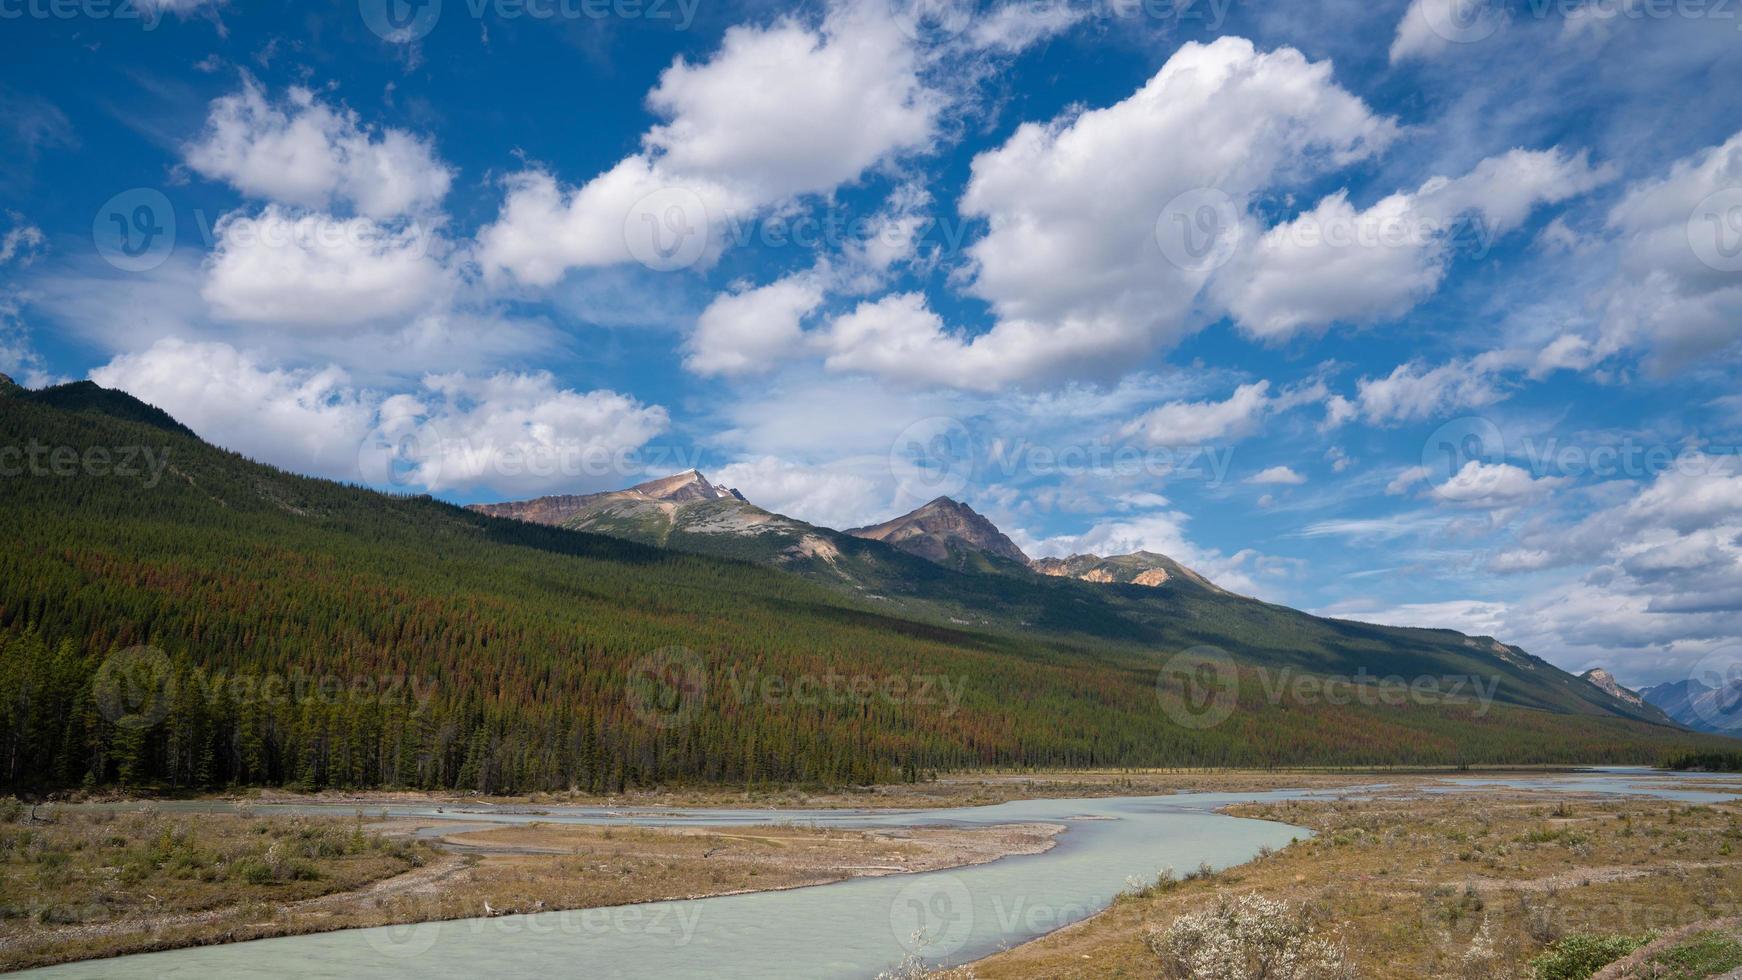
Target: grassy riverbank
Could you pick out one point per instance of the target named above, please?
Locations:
(80, 884)
(1447, 886)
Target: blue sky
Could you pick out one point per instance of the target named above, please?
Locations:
(1422, 312)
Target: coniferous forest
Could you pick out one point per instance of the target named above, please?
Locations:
(226, 623)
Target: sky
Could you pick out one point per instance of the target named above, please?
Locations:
(1421, 312)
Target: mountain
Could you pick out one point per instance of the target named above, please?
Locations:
(89, 397)
(945, 531)
(1607, 682)
(1138, 568)
(946, 564)
(234, 624)
(1699, 706)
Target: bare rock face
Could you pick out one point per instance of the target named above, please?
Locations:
(1613, 688)
(1137, 568)
(682, 488)
(941, 530)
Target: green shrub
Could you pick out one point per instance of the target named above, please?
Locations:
(1577, 957)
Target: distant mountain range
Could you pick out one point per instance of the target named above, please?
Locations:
(1700, 706)
(600, 640)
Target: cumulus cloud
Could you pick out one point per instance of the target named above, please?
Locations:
(1492, 485)
(1283, 475)
(1070, 261)
(1415, 391)
(1336, 263)
(834, 495)
(507, 431)
(1677, 293)
(748, 331)
(777, 113)
(1194, 423)
(304, 152)
(282, 266)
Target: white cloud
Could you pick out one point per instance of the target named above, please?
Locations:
(1415, 391)
(303, 152)
(834, 495)
(1277, 475)
(1492, 485)
(899, 338)
(1070, 261)
(22, 243)
(786, 110)
(1196, 423)
(747, 331)
(311, 421)
(1430, 27)
(1677, 291)
(513, 432)
(1016, 26)
(1334, 263)
(777, 113)
(287, 267)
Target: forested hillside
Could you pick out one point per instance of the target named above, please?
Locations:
(302, 631)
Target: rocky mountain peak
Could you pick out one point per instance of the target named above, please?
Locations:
(1607, 682)
(940, 530)
(684, 487)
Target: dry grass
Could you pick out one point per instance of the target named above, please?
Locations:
(1448, 886)
(92, 884)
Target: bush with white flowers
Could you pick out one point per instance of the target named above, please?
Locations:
(1248, 937)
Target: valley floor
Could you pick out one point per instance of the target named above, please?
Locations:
(83, 884)
(1475, 886)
